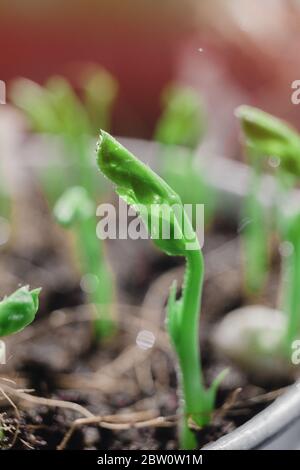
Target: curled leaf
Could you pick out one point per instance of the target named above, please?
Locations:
(267, 135)
(159, 206)
(18, 310)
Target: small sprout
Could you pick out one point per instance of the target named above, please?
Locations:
(71, 117)
(255, 238)
(182, 122)
(256, 232)
(36, 102)
(291, 277)
(269, 136)
(142, 188)
(56, 109)
(73, 207)
(18, 310)
(51, 109)
(100, 92)
(76, 210)
(179, 132)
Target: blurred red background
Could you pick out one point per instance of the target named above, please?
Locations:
(136, 40)
(249, 53)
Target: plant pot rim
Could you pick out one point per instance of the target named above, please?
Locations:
(269, 423)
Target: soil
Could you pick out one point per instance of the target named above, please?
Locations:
(131, 390)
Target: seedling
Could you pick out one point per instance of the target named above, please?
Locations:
(268, 136)
(76, 210)
(180, 130)
(291, 278)
(55, 109)
(18, 310)
(100, 93)
(140, 187)
(256, 230)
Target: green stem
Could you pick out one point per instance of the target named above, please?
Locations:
(93, 262)
(292, 270)
(255, 238)
(188, 349)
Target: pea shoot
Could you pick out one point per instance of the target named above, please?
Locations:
(140, 187)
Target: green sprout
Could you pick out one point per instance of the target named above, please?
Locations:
(255, 236)
(18, 310)
(291, 276)
(55, 109)
(180, 130)
(140, 187)
(76, 210)
(182, 120)
(269, 136)
(100, 91)
(256, 230)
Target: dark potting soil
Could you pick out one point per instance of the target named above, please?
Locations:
(133, 390)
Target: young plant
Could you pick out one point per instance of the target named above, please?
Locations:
(100, 91)
(180, 130)
(151, 197)
(256, 230)
(55, 109)
(268, 136)
(18, 310)
(291, 278)
(76, 210)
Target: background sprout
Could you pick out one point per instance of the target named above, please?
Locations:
(18, 310)
(100, 91)
(255, 235)
(55, 109)
(180, 130)
(182, 121)
(139, 186)
(256, 230)
(291, 278)
(267, 135)
(76, 210)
